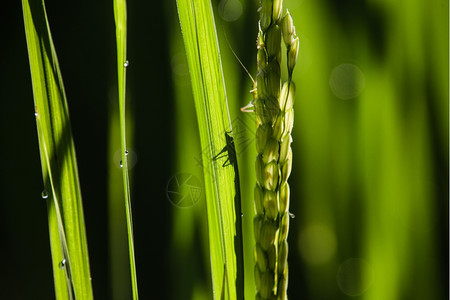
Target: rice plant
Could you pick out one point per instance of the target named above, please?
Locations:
(59, 166)
(200, 39)
(368, 184)
(62, 192)
(120, 17)
(274, 115)
(273, 106)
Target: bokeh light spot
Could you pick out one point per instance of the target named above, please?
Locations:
(179, 64)
(347, 81)
(230, 10)
(354, 276)
(317, 244)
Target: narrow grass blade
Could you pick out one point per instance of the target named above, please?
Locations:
(120, 17)
(186, 224)
(59, 167)
(120, 279)
(200, 39)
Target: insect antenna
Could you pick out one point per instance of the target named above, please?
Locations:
(237, 57)
(249, 106)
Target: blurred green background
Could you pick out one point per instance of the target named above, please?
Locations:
(369, 186)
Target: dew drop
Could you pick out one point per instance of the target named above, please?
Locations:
(36, 114)
(126, 63)
(121, 164)
(126, 152)
(62, 264)
(44, 194)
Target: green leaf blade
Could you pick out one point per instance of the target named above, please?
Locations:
(199, 33)
(120, 17)
(58, 160)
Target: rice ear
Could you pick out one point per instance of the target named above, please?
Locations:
(273, 107)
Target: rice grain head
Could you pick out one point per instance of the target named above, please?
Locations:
(273, 106)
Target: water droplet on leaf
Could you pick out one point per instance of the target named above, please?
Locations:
(126, 63)
(44, 194)
(121, 164)
(62, 264)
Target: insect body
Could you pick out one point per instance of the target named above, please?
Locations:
(230, 151)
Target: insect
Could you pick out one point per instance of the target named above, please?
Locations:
(230, 151)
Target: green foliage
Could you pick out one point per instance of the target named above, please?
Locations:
(369, 181)
(199, 33)
(120, 17)
(59, 166)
